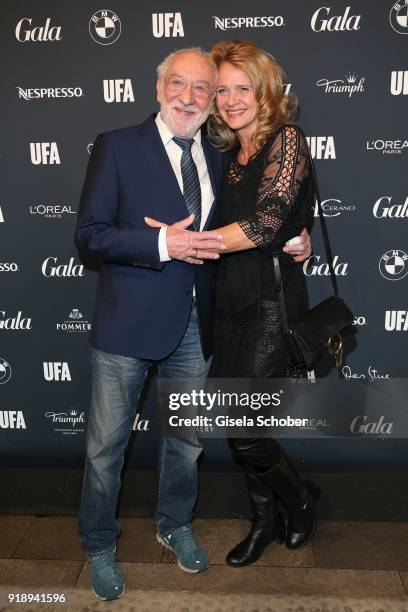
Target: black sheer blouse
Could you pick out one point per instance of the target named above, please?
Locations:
(272, 199)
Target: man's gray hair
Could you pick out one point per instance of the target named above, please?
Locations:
(164, 66)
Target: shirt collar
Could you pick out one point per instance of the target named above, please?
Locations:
(167, 136)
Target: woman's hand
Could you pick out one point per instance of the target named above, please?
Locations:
(189, 246)
(302, 249)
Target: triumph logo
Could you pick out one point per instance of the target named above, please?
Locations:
(5, 371)
(38, 34)
(321, 22)
(69, 269)
(45, 153)
(118, 90)
(51, 211)
(399, 82)
(230, 23)
(321, 147)
(12, 419)
(76, 324)
(349, 86)
(105, 27)
(49, 92)
(310, 268)
(361, 425)
(399, 17)
(396, 211)
(387, 147)
(169, 25)
(395, 320)
(17, 322)
(67, 421)
(57, 370)
(393, 265)
(333, 208)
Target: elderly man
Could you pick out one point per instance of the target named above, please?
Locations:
(154, 300)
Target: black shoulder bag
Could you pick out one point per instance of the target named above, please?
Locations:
(318, 332)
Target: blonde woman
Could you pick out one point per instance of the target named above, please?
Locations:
(267, 197)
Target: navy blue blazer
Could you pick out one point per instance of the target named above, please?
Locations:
(142, 305)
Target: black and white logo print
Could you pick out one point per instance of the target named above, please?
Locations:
(5, 371)
(105, 27)
(399, 17)
(394, 265)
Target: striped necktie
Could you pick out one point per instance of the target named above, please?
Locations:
(191, 182)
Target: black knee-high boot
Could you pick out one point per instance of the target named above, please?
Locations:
(300, 499)
(268, 523)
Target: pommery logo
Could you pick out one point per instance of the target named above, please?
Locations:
(75, 323)
(349, 86)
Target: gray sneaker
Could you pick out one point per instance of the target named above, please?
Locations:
(190, 556)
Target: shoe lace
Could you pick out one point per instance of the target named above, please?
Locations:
(185, 537)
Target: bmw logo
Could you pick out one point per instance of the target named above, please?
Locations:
(394, 265)
(105, 27)
(5, 371)
(399, 17)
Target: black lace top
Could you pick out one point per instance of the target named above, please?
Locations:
(272, 199)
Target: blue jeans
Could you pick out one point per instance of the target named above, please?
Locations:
(117, 382)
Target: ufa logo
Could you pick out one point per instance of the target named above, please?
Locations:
(105, 27)
(169, 25)
(56, 370)
(5, 371)
(399, 82)
(321, 147)
(394, 265)
(12, 419)
(45, 153)
(399, 17)
(118, 90)
(396, 320)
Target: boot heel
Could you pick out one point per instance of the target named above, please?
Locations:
(281, 531)
(281, 537)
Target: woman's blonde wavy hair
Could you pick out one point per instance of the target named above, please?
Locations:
(275, 107)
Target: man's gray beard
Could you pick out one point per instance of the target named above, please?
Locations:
(190, 129)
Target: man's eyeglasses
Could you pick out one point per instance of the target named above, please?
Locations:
(177, 85)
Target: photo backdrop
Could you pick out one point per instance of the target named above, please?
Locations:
(73, 69)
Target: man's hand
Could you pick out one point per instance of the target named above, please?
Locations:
(302, 249)
(188, 246)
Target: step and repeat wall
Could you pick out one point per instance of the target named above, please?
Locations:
(71, 70)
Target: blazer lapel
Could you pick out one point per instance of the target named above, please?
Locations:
(152, 147)
(213, 177)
